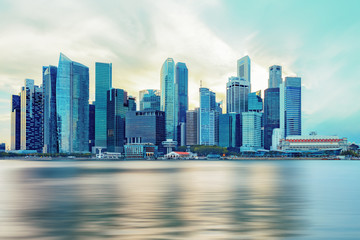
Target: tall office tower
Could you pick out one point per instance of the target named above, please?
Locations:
(103, 83)
(275, 78)
(244, 70)
(209, 118)
(117, 106)
(229, 128)
(255, 103)
(271, 114)
(146, 127)
(191, 127)
(290, 106)
(251, 131)
(237, 91)
(72, 106)
(15, 122)
(149, 99)
(49, 107)
(91, 126)
(131, 103)
(31, 117)
(182, 102)
(169, 98)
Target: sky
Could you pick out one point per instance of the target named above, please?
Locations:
(318, 41)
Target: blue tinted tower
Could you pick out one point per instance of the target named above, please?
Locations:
(229, 128)
(150, 100)
(91, 126)
(72, 106)
(244, 70)
(181, 83)
(208, 118)
(15, 122)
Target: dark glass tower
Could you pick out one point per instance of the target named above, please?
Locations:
(229, 129)
(91, 126)
(181, 80)
(15, 122)
(72, 105)
(49, 107)
(271, 114)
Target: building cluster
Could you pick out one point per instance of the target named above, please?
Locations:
(56, 117)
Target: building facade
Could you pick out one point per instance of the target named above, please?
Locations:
(103, 83)
(49, 109)
(208, 118)
(15, 122)
(312, 142)
(244, 70)
(275, 76)
(72, 106)
(150, 100)
(229, 129)
(31, 115)
(251, 131)
(91, 126)
(191, 127)
(271, 114)
(169, 98)
(237, 91)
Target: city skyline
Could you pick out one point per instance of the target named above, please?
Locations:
(331, 52)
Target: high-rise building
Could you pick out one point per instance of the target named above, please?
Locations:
(131, 103)
(49, 108)
(271, 114)
(229, 129)
(169, 98)
(91, 126)
(72, 106)
(255, 103)
(15, 122)
(290, 106)
(31, 117)
(117, 106)
(145, 127)
(150, 99)
(209, 118)
(251, 131)
(237, 91)
(275, 76)
(191, 127)
(103, 83)
(181, 82)
(244, 70)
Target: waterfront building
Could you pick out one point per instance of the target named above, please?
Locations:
(141, 151)
(237, 90)
(312, 143)
(91, 126)
(271, 114)
(169, 98)
(145, 127)
(229, 129)
(191, 127)
(15, 122)
(182, 102)
(290, 106)
(244, 70)
(251, 131)
(72, 106)
(275, 76)
(150, 100)
(2, 147)
(103, 83)
(117, 106)
(209, 117)
(31, 126)
(49, 108)
(276, 137)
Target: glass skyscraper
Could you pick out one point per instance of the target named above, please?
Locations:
(244, 70)
(271, 114)
(149, 99)
(91, 126)
(229, 129)
(237, 91)
(49, 107)
(169, 98)
(290, 106)
(191, 127)
(255, 103)
(181, 82)
(275, 76)
(208, 118)
(15, 122)
(72, 105)
(251, 131)
(103, 83)
(31, 117)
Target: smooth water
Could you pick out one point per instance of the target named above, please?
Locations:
(180, 200)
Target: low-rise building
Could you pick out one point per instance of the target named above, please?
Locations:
(141, 151)
(312, 142)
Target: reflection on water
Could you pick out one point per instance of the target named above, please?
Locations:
(166, 200)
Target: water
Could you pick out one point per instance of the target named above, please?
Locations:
(180, 200)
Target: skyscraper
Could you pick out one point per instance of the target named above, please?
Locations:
(181, 81)
(209, 117)
(91, 126)
(49, 108)
(271, 114)
(131, 103)
(255, 103)
(237, 91)
(31, 117)
(15, 122)
(275, 79)
(72, 106)
(103, 83)
(229, 129)
(169, 98)
(244, 70)
(149, 99)
(191, 127)
(290, 106)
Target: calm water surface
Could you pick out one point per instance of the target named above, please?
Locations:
(180, 200)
